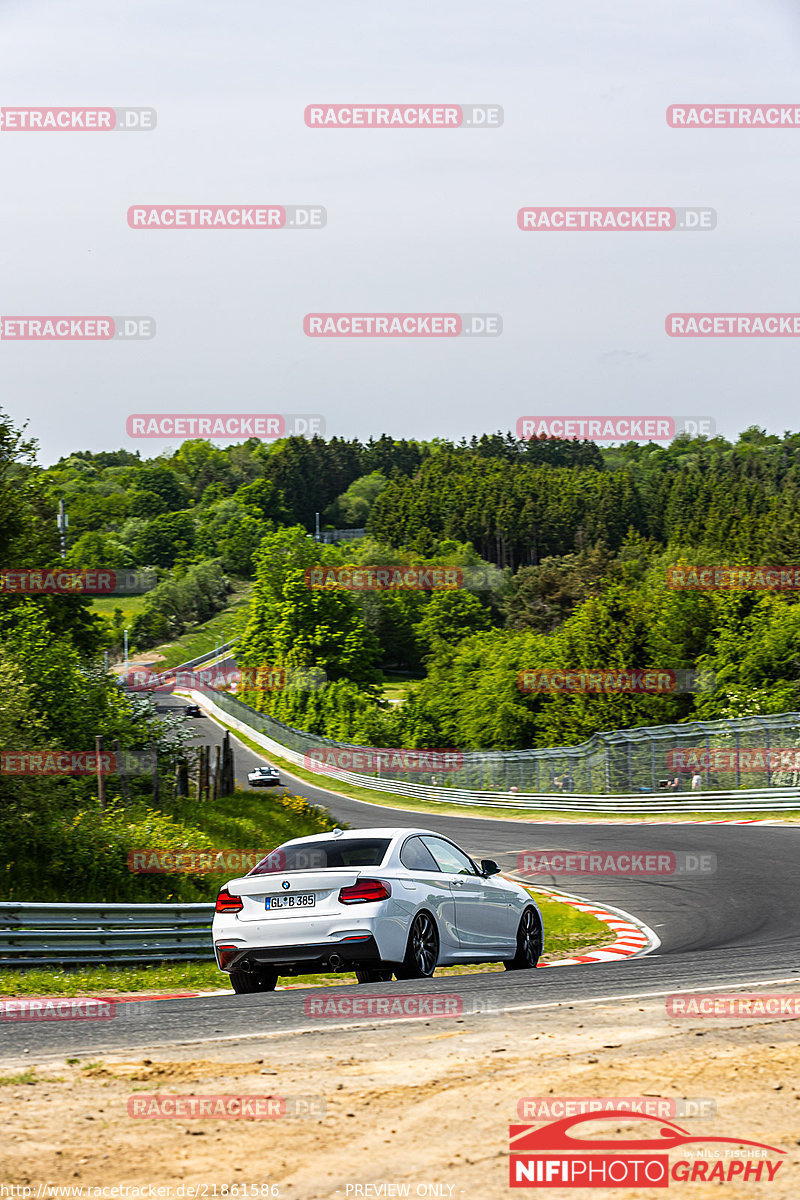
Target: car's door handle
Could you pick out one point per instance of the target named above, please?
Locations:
(458, 883)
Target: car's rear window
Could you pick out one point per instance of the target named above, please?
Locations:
(322, 856)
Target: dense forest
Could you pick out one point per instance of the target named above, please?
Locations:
(565, 549)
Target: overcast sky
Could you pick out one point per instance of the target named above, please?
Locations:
(418, 220)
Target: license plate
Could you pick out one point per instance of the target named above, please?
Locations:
(300, 900)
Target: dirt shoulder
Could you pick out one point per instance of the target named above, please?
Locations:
(427, 1104)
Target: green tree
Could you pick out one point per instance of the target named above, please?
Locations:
(165, 539)
(447, 618)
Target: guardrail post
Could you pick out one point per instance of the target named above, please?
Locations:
(217, 771)
(101, 779)
(198, 795)
(155, 773)
(204, 765)
(182, 778)
(122, 773)
(228, 781)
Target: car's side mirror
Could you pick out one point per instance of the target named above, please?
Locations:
(488, 867)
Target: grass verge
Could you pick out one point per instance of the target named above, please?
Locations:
(105, 606)
(567, 932)
(227, 624)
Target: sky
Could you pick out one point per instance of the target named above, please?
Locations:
(418, 220)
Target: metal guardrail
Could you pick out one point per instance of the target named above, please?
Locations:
(37, 935)
(203, 658)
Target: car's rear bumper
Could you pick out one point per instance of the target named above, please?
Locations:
(301, 959)
(263, 782)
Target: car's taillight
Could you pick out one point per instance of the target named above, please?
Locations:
(364, 891)
(226, 903)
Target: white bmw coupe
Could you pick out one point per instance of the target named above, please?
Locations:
(379, 902)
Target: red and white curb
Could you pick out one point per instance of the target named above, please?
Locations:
(633, 937)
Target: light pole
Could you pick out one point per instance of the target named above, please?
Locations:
(62, 520)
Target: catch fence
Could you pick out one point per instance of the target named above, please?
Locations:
(663, 765)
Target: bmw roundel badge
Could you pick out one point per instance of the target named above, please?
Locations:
(286, 885)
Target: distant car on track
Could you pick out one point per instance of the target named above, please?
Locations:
(193, 710)
(263, 777)
(381, 902)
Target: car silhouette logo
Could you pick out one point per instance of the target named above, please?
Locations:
(286, 885)
(556, 1136)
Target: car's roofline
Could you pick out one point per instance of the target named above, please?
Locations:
(391, 832)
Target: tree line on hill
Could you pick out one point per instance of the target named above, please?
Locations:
(573, 540)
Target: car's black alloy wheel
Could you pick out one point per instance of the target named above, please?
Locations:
(422, 952)
(254, 981)
(529, 942)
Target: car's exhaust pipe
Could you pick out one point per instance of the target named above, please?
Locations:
(336, 962)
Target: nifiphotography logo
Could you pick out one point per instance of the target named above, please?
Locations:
(553, 1156)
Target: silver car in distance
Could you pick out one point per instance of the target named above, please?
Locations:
(379, 902)
(263, 777)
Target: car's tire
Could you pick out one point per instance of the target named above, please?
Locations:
(254, 981)
(422, 950)
(529, 942)
(374, 975)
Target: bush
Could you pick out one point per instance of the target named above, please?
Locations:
(177, 603)
(83, 855)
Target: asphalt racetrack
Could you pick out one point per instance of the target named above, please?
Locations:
(734, 926)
